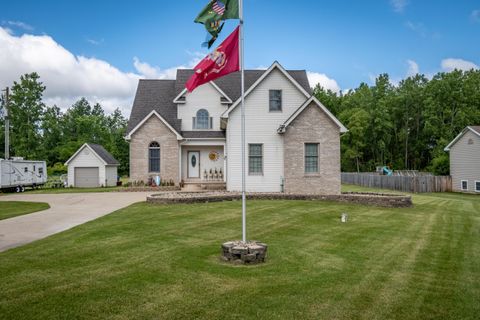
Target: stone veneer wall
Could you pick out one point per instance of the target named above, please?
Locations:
(312, 126)
(154, 130)
(374, 199)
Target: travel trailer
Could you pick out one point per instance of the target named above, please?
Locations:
(17, 174)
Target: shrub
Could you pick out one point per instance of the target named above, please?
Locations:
(57, 169)
(440, 165)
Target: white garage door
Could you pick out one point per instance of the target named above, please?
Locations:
(86, 177)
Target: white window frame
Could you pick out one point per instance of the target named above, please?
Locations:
(150, 148)
(461, 185)
(305, 159)
(195, 119)
(281, 100)
(477, 181)
(250, 173)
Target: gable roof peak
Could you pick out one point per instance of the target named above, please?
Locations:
(474, 129)
(283, 127)
(275, 65)
(103, 153)
(99, 151)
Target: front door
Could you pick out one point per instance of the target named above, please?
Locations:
(193, 164)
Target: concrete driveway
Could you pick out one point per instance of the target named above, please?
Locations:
(67, 210)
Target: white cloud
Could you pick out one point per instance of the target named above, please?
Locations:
(320, 78)
(95, 42)
(419, 28)
(18, 24)
(399, 5)
(153, 72)
(69, 77)
(413, 68)
(475, 15)
(451, 64)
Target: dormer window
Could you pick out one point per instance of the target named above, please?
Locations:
(202, 120)
(275, 101)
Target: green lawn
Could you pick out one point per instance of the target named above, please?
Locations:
(9, 209)
(161, 262)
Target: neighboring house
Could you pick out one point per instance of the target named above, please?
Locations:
(465, 160)
(293, 141)
(92, 166)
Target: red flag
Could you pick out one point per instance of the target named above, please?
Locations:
(222, 61)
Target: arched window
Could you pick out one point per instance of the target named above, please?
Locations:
(202, 121)
(154, 157)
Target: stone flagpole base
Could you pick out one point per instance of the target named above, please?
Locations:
(239, 252)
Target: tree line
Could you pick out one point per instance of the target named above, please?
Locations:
(42, 132)
(404, 126)
(407, 125)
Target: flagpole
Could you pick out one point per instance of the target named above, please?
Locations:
(242, 73)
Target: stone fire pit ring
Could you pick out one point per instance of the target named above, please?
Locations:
(239, 252)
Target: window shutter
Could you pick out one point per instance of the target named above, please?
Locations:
(211, 122)
(194, 125)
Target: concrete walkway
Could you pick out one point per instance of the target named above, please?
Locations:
(67, 210)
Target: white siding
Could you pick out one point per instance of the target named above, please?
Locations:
(111, 176)
(86, 158)
(261, 127)
(465, 161)
(204, 97)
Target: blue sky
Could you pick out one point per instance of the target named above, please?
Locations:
(347, 42)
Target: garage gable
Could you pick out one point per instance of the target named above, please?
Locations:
(85, 153)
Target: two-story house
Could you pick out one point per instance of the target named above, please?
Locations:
(292, 140)
(465, 160)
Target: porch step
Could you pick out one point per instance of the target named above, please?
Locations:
(191, 187)
(204, 185)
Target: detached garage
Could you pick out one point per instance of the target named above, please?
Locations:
(92, 166)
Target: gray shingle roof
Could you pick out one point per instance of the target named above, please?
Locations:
(155, 95)
(476, 128)
(203, 134)
(158, 95)
(230, 84)
(104, 154)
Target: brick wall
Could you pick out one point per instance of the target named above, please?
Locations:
(154, 130)
(312, 126)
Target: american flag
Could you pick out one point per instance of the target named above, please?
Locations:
(218, 7)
